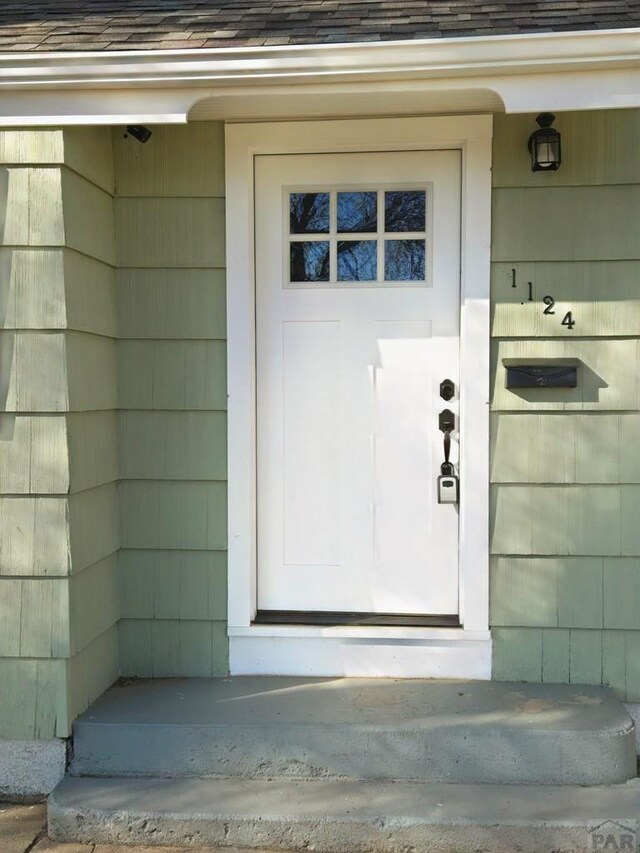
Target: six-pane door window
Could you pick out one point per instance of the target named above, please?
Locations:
(358, 236)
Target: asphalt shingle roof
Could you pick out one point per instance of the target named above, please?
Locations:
(64, 25)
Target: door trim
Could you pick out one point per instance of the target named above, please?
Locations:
(462, 652)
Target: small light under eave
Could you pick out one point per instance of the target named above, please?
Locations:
(139, 132)
(544, 145)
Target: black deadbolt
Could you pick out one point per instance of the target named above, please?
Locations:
(447, 389)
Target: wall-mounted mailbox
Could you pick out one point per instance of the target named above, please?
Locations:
(542, 376)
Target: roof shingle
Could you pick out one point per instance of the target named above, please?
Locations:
(63, 25)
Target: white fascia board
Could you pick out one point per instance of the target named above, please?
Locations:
(161, 86)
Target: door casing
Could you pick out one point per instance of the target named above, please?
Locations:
(357, 650)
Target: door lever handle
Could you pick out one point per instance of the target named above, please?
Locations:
(448, 484)
(447, 423)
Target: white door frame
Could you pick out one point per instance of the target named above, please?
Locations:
(383, 651)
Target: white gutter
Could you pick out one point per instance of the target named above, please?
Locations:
(426, 58)
(526, 73)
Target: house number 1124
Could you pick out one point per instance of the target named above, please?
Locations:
(567, 320)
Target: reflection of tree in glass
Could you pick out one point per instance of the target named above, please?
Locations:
(357, 211)
(309, 261)
(404, 260)
(357, 260)
(308, 213)
(404, 210)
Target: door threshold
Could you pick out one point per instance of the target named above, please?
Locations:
(339, 618)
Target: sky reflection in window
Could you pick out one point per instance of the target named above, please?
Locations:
(309, 213)
(309, 261)
(404, 260)
(405, 210)
(357, 260)
(358, 211)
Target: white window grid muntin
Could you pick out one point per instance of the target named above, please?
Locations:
(380, 236)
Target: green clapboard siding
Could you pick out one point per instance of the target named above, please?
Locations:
(94, 602)
(589, 223)
(31, 147)
(58, 434)
(91, 294)
(33, 372)
(598, 148)
(172, 399)
(166, 169)
(33, 699)
(173, 515)
(163, 648)
(158, 584)
(171, 374)
(92, 235)
(88, 151)
(603, 296)
(607, 381)
(565, 463)
(91, 672)
(32, 214)
(174, 445)
(91, 361)
(34, 618)
(32, 288)
(184, 304)
(170, 232)
(587, 448)
(93, 437)
(33, 454)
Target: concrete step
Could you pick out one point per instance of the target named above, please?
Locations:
(345, 816)
(418, 730)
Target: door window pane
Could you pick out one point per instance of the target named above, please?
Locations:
(404, 260)
(358, 211)
(309, 213)
(309, 261)
(357, 260)
(405, 210)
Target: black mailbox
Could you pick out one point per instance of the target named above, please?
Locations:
(542, 376)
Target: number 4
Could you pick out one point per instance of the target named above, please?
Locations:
(568, 321)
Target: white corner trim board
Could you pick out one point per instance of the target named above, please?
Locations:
(464, 652)
(582, 70)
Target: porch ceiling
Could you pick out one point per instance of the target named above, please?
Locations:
(354, 102)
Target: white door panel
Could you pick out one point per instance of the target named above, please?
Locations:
(348, 447)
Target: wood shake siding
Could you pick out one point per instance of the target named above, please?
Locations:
(565, 463)
(172, 382)
(58, 460)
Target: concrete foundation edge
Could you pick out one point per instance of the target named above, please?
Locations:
(31, 768)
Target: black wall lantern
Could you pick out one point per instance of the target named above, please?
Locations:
(544, 145)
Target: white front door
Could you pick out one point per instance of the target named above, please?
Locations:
(357, 323)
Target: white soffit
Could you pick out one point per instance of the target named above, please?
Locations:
(523, 73)
(349, 102)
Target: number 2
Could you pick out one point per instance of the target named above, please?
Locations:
(568, 321)
(549, 301)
